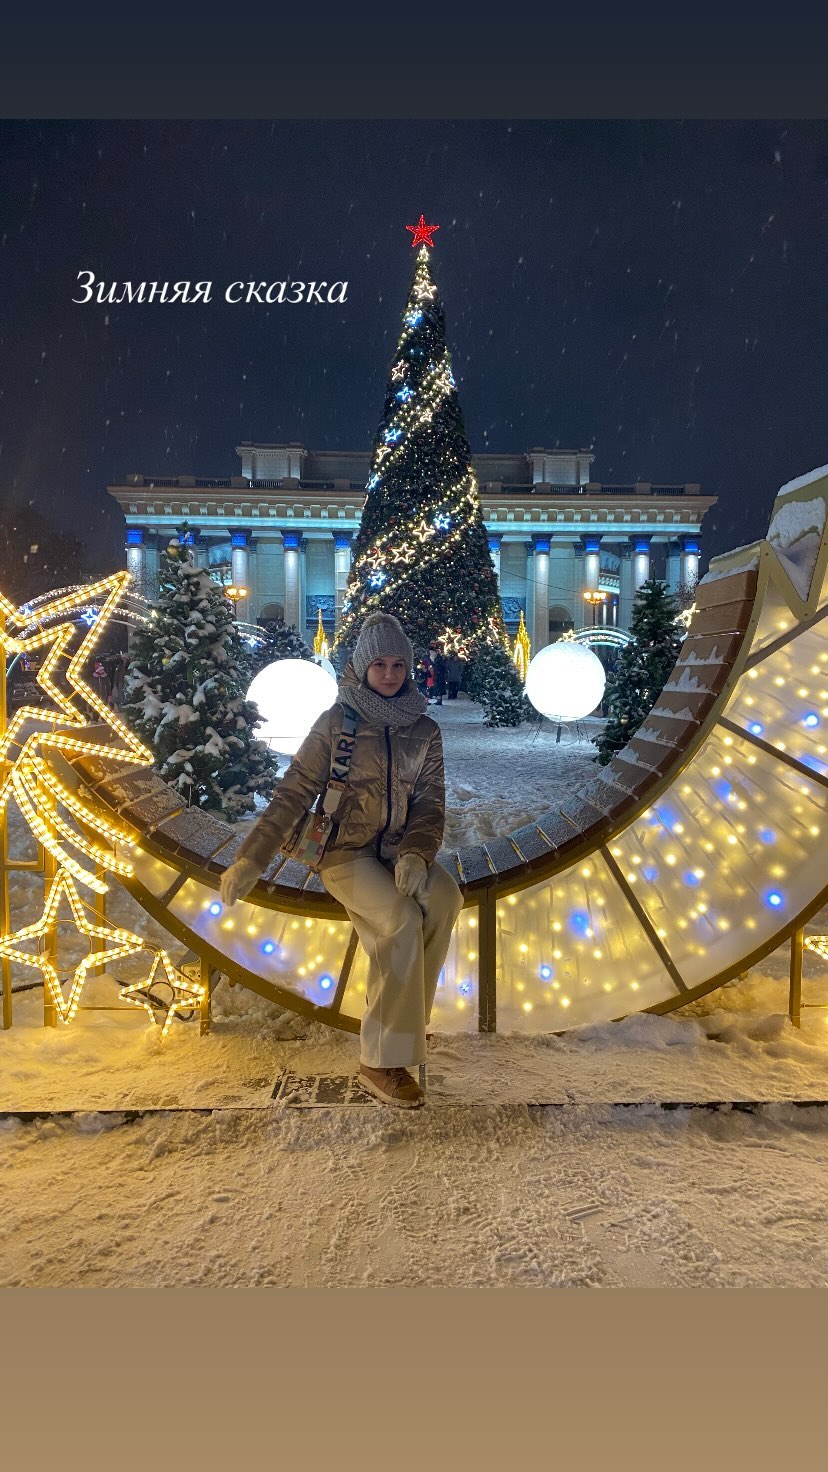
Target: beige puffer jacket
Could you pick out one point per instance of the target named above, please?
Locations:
(394, 802)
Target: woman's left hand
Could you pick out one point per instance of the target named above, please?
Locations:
(411, 874)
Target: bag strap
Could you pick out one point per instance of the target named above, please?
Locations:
(341, 761)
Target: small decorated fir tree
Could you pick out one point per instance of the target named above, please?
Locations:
(184, 695)
(494, 682)
(643, 666)
(280, 641)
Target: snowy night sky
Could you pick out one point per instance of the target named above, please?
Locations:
(653, 289)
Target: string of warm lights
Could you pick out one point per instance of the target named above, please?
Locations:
(522, 650)
(421, 383)
(45, 799)
(186, 993)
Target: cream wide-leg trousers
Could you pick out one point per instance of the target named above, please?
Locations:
(406, 951)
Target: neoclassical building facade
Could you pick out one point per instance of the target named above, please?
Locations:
(281, 531)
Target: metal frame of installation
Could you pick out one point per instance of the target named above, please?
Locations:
(697, 851)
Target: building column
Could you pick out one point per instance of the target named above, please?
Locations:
(592, 563)
(342, 569)
(690, 550)
(136, 560)
(529, 595)
(240, 570)
(540, 611)
(590, 577)
(674, 561)
(294, 613)
(494, 551)
(626, 586)
(641, 560)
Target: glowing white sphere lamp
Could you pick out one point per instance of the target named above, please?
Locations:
(565, 681)
(290, 694)
(325, 664)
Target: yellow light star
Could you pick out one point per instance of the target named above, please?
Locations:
(60, 636)
(186, 993)
(39, 788)
(119, 943)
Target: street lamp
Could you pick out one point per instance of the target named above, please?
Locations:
(235, 594)
(594, 598)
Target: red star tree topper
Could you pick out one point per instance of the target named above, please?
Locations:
(422, 232)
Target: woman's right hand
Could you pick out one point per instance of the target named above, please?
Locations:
(238, 880)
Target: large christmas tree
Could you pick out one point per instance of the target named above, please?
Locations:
(184, 694)
(422, 551)
(643, 666)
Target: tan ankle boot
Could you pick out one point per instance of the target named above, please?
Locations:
(391, 1086)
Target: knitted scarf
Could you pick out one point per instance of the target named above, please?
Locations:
(400, 710)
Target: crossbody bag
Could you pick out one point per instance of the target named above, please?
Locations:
(312, 834)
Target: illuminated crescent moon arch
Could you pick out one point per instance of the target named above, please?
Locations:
(699, 849)
(603, 636)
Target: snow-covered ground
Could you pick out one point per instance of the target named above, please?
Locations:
(524, 1169)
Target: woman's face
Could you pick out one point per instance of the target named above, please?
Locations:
(386, 675)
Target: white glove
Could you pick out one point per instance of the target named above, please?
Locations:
(238, 880)
(411, 875)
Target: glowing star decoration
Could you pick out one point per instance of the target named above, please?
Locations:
(422, 233)
(565, 681)
(27, 771)
(186, 993)
(291, 694)
(117, 944)
(818, 944)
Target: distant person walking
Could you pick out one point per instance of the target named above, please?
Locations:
(421, 675)
(454, 674)
(438, 688)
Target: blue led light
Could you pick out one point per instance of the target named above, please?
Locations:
(755, 728)
(811, 719)
(767, 835)
(373, 482)
(413, 318)
(546, 972)
(392, 435)
(691, 878)
(268, 947)
(650, 874)
(215, 908)
(579, 921)
(404, 393)
(326, 982)
(465, 987)
(667, 817)
(723, 789)
(774, 899)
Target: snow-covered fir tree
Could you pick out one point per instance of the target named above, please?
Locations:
(279, 641)
(184, 695)
(422, 550)
(643, 666)
(489, 684)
